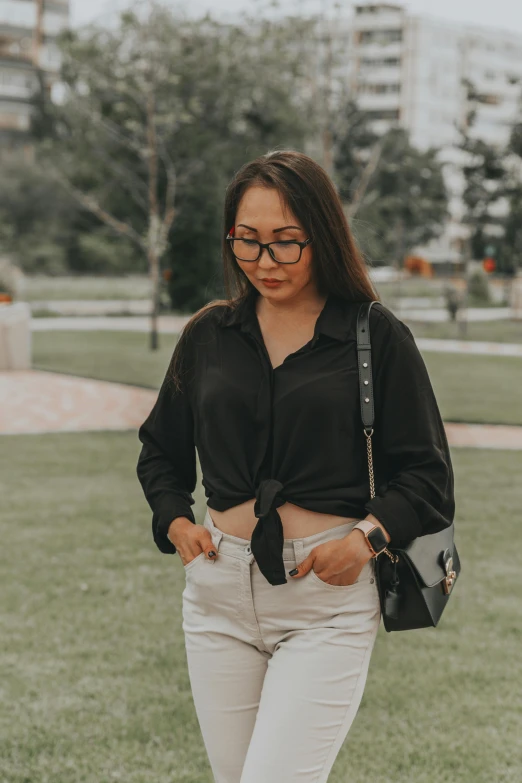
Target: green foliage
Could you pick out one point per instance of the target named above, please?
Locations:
(513, 224)
(36, 218)
(100, 252)
(486, 174)
(197, 97)
(478, 287)
(405, 202)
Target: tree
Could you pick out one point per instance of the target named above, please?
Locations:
(512, 256)
(485, 174)
(387, 185)
(155, 116)
(35, 219)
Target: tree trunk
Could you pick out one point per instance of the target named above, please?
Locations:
(152, 250)
(154, 277)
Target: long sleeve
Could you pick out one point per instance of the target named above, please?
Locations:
(409, 442)
(167, 462)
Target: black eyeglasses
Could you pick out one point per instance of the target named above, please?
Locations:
(284, 252)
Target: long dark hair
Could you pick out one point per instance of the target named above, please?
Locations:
(306, 189)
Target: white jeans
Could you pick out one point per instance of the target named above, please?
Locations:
(277, 671)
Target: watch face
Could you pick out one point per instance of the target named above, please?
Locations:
(377, 539)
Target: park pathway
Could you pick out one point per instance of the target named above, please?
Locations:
(35, 401)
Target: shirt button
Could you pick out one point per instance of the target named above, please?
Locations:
(247, 550)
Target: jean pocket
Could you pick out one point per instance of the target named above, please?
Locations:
(194, 560)
(366, 576)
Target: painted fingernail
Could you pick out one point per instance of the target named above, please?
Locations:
(211, 553)
(294, 571)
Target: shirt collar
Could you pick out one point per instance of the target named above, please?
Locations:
(334, 319)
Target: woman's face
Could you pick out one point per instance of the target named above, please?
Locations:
(261, 215)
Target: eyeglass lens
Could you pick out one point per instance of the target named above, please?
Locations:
(248, 250)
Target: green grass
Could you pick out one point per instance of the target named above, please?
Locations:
(42, 287)
(468, 388)
(412, 286)
(471, 388)
(502, 331)
(434, 287)
(123, 357)
(94, 683)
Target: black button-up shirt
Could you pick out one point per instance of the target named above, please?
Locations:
(294, 433)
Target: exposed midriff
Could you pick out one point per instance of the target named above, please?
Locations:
(297, 522)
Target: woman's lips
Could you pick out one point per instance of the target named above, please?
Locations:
(272, 283)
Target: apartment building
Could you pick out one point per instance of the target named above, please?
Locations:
(425, 74)
(28, 30)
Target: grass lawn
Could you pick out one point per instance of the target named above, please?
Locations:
(42, 287)
(412, 286)
(124, 357)
(93, 669)
(434, 287)
(468, 388)
(504, 331)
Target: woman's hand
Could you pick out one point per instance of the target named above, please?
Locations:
(338, 562)
(190, 540)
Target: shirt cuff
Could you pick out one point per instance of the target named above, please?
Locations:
(397, 515)
(169, 510)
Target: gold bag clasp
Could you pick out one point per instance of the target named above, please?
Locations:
(449, 579)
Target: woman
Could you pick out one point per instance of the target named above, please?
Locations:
(279, 632)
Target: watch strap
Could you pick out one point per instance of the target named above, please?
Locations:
(366, 526)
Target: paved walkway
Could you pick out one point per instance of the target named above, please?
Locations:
(469, 346)
(169, 324)
(440, 314)
(77, 307)
(34, 401)
(484, 436)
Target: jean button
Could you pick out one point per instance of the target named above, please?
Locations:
(247, 550)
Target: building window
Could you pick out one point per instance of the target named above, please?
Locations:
(380, 36)
(383, 114)
(380, 89)
(380, 62)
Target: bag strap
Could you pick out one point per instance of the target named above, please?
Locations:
(364, 365)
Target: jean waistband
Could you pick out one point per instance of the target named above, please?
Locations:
(292, 547)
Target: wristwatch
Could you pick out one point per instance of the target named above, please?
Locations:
(374, 536)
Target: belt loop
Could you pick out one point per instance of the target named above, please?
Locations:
(298, 550)
(215, 533)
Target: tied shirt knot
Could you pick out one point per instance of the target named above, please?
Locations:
(267, 537)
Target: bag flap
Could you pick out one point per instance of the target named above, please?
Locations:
(425, 554)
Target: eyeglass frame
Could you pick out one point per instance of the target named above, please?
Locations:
(262, 245)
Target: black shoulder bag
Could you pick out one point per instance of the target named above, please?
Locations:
(414, 581)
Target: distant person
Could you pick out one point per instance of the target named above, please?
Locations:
(453, 301)
(280, 630)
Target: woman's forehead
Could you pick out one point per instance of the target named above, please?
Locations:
(265, 206)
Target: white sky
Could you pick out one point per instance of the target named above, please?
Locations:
(506, 14)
